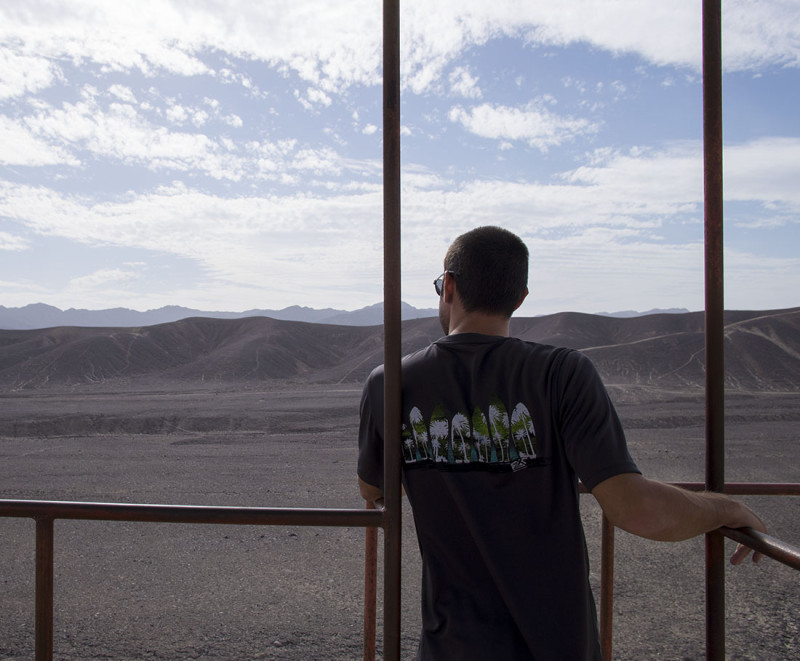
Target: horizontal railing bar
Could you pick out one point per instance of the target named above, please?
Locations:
(288, 516)
(769, 546)
(741, 488)
(748, 488)
(158, 513)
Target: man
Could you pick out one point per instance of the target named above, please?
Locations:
(496, 433)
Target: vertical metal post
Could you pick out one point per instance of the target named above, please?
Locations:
(44, 589)
(714, 300)
(607, 589)
(392, 329)
(370, 588)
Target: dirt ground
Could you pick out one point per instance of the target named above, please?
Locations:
(165, 591)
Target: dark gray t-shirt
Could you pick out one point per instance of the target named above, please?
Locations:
(496, 433)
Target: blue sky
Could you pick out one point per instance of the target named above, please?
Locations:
(228, 156)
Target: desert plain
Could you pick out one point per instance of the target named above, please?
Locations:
(133, 591)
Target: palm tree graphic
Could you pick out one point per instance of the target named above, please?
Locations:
(480, 432)
(498, 416)
(460, 426)
(418, 429)
(523, 430)
(408, 443)
(439, 433)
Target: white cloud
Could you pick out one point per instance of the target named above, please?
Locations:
(18, 146)
(257, 246)
(659, 181)
(764, 171)
(177, 113)
(318, 96)
(121, 132)
(463, 83)
(199, 118)
(318, 161)
(760, 34)
(533, 124)
(752, 276)
(581, 272)
(600, 230)
(767, 169)
(336, 45)
(303, 101)
(627, 228)
(233, 120)
(117, 36)
(313, 97)
(20, 292)
(123, 93)
(754, 34)
(13, 242)
(134, 116)
(102, 278)
(24, 74)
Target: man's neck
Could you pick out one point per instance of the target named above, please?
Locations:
(479, 322)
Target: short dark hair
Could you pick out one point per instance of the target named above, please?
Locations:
(490, 266)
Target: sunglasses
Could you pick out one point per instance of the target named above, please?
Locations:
(439, 282)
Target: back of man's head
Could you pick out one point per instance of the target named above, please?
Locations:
(490, 266)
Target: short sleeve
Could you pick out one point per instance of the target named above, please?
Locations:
(589, 426)
(370, 431)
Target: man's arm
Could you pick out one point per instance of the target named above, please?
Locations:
(663, 512)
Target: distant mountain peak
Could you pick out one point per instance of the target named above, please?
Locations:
(628, 314)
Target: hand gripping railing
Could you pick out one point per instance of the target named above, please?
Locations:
(758, 541)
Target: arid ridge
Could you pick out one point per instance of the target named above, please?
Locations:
(660, 350)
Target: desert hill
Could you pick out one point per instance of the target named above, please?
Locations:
(663, 350)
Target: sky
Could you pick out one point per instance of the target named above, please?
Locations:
(227, 155)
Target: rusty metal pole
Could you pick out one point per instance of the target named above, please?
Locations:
(370, 589)
(391, 326)
(607, 589)
(44, 589)
(714, 316)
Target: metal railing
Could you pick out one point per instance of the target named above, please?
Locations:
(46, 512)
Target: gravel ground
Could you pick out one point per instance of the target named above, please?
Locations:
(173, 591)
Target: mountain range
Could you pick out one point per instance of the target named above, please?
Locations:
(40, 315)
(658, 350)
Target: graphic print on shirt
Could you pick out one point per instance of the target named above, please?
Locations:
(471, 438)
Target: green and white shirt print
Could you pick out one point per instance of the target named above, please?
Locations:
(470, 438)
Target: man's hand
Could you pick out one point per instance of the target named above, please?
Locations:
(370, 493)
(741, 553)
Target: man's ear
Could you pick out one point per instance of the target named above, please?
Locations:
(449, 288)
(522, 298)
